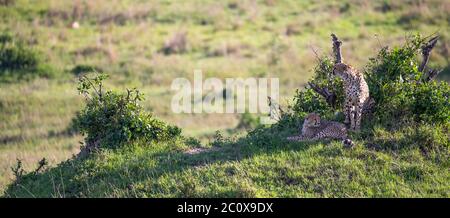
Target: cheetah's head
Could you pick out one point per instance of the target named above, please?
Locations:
(312, 120)
(341, 70)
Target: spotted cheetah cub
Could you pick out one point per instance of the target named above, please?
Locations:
(314, 129)
(356, 94)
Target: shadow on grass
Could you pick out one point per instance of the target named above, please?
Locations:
(76, 177)
(143, 170)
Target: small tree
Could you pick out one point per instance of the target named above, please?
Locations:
(111, 120)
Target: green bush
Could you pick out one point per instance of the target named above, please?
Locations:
(308, 101)
(430, 101)
(395, 83)
(396, 64)
(427, 102)
(20, 62)
(323, 78)
(111, 120)
(399, 88)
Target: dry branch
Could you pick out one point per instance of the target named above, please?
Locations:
(431, 74)
(426, 50)
(330, 97)
(336, 48)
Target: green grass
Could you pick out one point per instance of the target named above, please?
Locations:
(262, 164)
(123, 38)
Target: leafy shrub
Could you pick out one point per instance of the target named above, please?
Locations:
(430, 101)
(308, 101)
(111, 119)
(323, 78)
(391, 66)
(20, 62)
(397, 86)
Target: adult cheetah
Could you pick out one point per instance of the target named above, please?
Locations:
(356, 94)
(314, 129)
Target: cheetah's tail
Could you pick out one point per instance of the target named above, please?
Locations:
(348, 143)
(294, 138)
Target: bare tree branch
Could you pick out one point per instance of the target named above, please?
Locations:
(336, 48)
(330, 97)
(426, 50)
(431, 74)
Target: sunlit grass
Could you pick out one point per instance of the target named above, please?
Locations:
(124, 38)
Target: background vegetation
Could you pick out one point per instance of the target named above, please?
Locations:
(147, 44)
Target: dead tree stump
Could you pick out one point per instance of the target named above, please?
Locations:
(426, 51)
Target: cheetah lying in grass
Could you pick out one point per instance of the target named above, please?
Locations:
(314, 129)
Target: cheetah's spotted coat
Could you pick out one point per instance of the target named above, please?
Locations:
(314, 129)
(356, 94)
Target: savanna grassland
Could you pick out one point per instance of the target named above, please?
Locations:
(147, 44)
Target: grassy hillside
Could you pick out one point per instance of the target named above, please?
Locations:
(263, 164)
(406, 155)
(267, 38)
